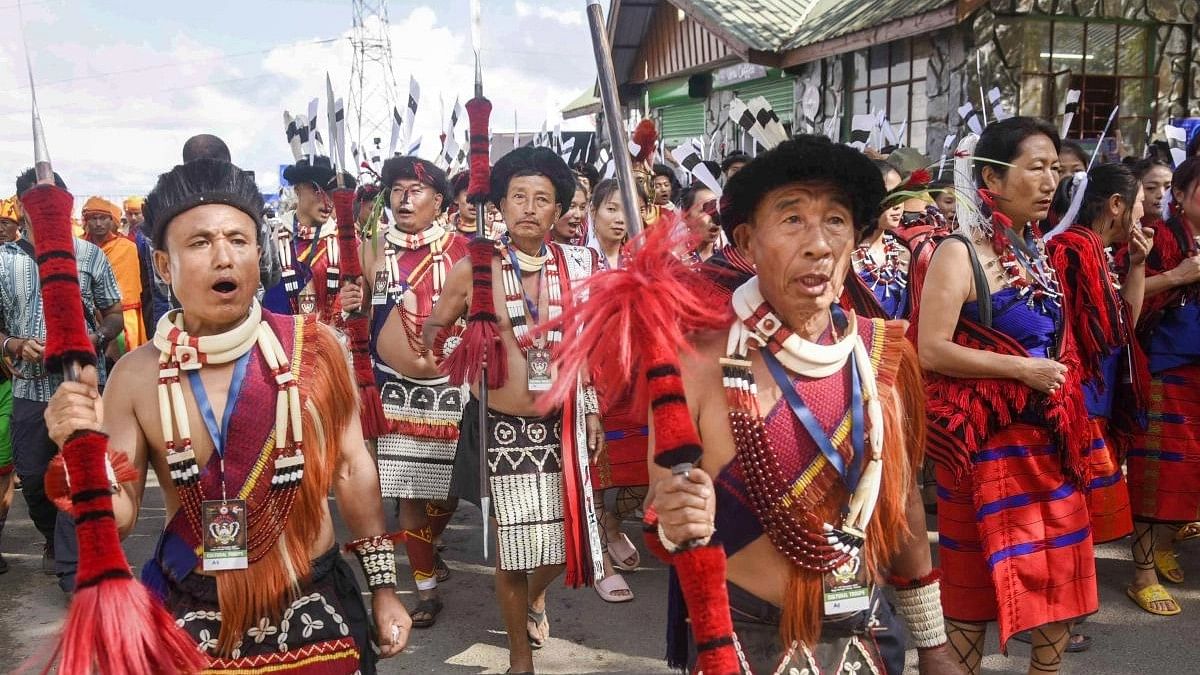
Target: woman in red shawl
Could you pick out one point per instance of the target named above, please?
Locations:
(1164, 462)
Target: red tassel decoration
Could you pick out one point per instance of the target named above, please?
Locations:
(479, 111)
(480, 347)
(374, 424)
(113, 625)
(636, 320)
(701, 574)
(58, 486)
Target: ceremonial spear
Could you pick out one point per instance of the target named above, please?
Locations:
(479, 112)
(700, 569)
(357, 328)
(113, 624)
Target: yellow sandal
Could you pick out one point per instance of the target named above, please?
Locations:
(1146, 597)
(1168, 566)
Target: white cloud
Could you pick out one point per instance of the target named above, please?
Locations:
(112, 134)
(567, 17)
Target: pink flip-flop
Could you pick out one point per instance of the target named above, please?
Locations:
(622, 550)
(610, 589)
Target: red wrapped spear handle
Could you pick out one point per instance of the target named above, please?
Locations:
(374, 424)
(113, 624)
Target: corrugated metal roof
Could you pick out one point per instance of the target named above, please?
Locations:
(781, 25)
(834, 18)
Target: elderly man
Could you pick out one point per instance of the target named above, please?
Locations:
(23, 339)
(100, 220)
(422, 408)
(540, 526)
(247, 562)
(806, 479)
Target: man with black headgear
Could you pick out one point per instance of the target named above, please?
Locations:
(422, 409)
(247, 562)
(307, 243)
(811, 506)
(537, 461)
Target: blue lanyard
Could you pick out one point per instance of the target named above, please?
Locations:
(516, 265)
(219, 435)
(813, 427)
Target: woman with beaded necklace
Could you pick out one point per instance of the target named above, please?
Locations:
(1006, 417)
(882, 261)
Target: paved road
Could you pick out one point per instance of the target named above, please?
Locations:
(588, 635)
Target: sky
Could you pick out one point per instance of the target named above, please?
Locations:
(122, 84)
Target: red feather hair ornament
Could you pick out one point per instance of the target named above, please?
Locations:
(645, 136)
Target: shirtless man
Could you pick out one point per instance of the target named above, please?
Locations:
(423, 410)
(534, 468)
(222, 357)
(768, 490)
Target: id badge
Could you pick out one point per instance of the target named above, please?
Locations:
(537, 366)
(845, 589)
(379, 289)
(224, 535)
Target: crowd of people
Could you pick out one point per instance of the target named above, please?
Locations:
(813, 354)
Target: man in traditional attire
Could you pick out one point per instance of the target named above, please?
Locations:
(464, 216)
(805, 481)
(536, 460)
(422, 408)
(247, 563)
(23, 341)
(100, 220)
(307, 244)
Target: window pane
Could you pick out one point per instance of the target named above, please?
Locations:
(1101, 49)
(920, 58)
(858, 103)
(878, 100)
(1035, 43)
(1133, 98)
(900, 59)
(879, 64)
(1067, 48)
(1132, 55)
(897, 110)
(860, 70)
(919, 102)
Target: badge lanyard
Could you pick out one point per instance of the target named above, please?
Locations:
(849, 475)
(530, 305)
(219, 435)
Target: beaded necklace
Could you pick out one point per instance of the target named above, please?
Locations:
(436, 238)
(788, 509)
(892, 273)
(180, 352)
(1015, 259)
(517, 304)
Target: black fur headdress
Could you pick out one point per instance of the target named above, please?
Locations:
(531, 161)
(203, 181)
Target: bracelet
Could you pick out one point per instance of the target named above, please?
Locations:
(591, 402)
(921, 607)
(672, 547)
(4, 345)
(377, 556)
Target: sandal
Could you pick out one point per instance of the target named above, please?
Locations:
(541, 624)
(1168, 566)
(430, 607)
(1189, 531)
(614, 589)
(622, 552)
(441, 571)
(1078, 642)
(1146, 597)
